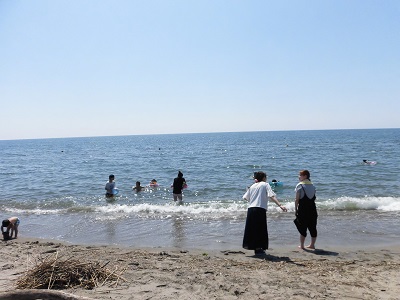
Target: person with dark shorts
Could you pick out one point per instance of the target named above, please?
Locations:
(306, 210)
(177, 187)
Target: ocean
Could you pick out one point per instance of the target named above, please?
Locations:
(56, 187)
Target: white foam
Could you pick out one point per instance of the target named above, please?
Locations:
(192, 209)
(365, 203)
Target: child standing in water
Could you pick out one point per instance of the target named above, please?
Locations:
(110, 186)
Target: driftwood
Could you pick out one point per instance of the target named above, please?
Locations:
(58, 273)
(40, 294)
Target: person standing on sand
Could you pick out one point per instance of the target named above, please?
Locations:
(256, 231)
(306, 210)
(178, 185)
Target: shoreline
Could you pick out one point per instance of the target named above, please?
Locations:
(174, 273)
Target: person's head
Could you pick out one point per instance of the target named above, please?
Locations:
(153, 181)
(304, 174)
(364, 160)
(260, 176)
(5, 223)
(180, 174)
(274, 180)
(111, 177)
(137, 183)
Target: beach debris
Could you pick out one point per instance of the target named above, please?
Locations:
(54, 272)
(227, 252)
(164, 253)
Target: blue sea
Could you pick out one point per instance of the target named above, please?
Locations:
(56, 187)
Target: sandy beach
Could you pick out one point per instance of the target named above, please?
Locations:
(158, 273)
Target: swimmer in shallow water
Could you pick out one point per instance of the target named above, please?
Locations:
(138, 187)
(369, 162)
(153, 183)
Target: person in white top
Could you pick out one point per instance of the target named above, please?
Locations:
(256, 231)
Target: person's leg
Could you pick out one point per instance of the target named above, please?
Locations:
(313, 232)
(180, 199)
(312, 244)
(302, 239)
(16, 230)
(175, 197)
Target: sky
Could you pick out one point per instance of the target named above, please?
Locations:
(106, 68)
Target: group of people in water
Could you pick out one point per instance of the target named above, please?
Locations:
(177, 186)
(256, 232)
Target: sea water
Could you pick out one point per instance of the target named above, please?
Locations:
(56, 187)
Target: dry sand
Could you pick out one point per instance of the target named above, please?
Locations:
(232, 274)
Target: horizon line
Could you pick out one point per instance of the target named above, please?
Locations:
(183, 133)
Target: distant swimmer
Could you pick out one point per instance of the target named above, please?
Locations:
(369, 162)
(110, 188)
(275, 183)
(138, 187)
(153, 183)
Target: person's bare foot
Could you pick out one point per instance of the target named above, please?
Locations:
(301, 247)
(311, 247)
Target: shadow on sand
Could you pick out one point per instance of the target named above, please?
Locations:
(324, 252)
(274, 258)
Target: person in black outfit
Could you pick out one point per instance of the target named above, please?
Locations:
(306, 210)
(178, 185)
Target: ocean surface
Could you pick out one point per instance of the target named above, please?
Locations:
(56, 187)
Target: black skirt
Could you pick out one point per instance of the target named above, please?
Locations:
(256, 232)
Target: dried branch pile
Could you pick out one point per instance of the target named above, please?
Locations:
(59, 273)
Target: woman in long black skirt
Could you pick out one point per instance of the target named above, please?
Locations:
(256, 232)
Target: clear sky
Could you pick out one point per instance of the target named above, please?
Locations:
(100, 68)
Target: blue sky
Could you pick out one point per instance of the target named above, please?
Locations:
(100, 68)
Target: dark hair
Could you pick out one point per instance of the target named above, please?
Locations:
(111, 176)
(259, 175)
(305, 173)
(5, 223)
(180, 174)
